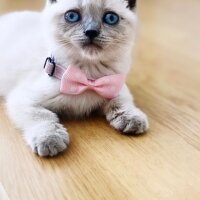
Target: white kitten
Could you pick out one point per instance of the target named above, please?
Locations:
(63, 30)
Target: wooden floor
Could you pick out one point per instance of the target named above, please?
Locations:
(102, 164)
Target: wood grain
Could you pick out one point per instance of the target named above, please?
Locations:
(102, 164)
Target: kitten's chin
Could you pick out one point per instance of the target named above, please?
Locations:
(91, 50)
(92, 47)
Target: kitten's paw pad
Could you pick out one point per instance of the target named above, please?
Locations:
(129, 122)
(48, 141)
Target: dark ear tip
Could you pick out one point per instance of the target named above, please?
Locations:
(53, 1)
(131, 4)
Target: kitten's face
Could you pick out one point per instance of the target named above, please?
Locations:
(92, 28)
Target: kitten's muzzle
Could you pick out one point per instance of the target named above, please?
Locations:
(92, 31)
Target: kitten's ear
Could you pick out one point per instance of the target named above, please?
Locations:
(131, 4)
(52, 1)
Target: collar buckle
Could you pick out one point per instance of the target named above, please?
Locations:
(53, 64)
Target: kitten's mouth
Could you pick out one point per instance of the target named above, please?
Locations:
(91, 45)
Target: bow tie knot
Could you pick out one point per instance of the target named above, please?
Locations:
(91, 83)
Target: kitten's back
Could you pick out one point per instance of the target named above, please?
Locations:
(19, 37)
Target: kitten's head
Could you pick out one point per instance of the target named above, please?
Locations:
(91, 28)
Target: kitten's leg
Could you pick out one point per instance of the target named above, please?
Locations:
(124, 116)
(42, 130)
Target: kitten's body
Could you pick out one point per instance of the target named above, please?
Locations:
(26, 39)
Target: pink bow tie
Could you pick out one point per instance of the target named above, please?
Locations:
(75, 82)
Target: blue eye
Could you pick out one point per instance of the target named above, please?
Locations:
(72, 16)
(111, 18)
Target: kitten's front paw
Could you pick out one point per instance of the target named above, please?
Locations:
(129, 122)
(47, 139)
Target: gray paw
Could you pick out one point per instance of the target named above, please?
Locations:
(129, 122)
(48, 139)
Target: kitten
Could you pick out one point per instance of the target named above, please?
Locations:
(95, 36)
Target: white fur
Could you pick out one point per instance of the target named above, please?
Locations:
(33, 97)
